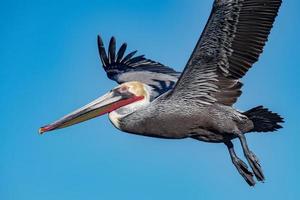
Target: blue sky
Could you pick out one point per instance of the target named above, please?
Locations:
(49, 66)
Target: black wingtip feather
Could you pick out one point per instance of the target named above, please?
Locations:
(102, 52)
(112, 50)
(136, 59)
(121, 52)
(129, 56)
(99, 40)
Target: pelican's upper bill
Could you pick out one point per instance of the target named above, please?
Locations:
(130, 96)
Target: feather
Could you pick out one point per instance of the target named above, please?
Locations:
(102, 52)
(127, 68)
(121, 52)
(112, 50)
(230, 44)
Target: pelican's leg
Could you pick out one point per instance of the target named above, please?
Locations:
(240, 165)
(251, 157)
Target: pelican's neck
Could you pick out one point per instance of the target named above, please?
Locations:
(114, 118)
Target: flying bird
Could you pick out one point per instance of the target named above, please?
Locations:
(155, 100)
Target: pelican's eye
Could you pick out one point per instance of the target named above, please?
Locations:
(123, 89)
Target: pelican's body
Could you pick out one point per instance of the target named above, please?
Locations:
(210, 124)
(155, 100)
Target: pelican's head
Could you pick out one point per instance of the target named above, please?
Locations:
(119, 102)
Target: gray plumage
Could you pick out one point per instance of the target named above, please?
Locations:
(199, 106)
(231, 42)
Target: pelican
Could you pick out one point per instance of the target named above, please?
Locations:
(155, 100)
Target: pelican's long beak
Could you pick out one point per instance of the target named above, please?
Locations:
(105, 104)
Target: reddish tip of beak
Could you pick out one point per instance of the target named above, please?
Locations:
(44, 129)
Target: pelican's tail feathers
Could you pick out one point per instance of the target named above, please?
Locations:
(264, 120)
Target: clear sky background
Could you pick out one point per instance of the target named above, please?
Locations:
(49, 66)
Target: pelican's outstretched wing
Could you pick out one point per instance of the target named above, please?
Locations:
(231, 42)
(122, 68)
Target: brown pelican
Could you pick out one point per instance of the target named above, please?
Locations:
(155, 100)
